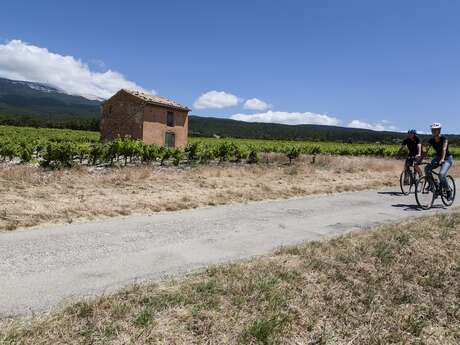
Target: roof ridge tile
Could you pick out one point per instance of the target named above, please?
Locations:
(155, 99)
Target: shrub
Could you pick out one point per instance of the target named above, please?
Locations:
(97, 153)
(292, 153)
(150, 153)
(59, 154)
(83, 151)
(223, 151)
(165, 154)
(192, 152)
(253, 156)
(237, 153)
(26, 152)
(8, 150)
(176, 155)
(206, 154)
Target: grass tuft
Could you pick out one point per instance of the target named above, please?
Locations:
(144, 318)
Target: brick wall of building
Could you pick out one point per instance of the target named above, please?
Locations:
(122, 115)
(154, 129)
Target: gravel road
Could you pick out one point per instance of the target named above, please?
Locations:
(42, 268)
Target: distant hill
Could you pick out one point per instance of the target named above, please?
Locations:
(208, 127)
(26, 98)
(39, 105)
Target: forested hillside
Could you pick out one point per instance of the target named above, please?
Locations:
(39, 105)
(209, 127)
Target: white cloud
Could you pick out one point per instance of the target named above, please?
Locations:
(288, 118)
(255, 104)
(216, 99)
(381, 126)
(23, 61)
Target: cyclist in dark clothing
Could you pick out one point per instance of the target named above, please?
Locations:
(443, 157)
(414, 145)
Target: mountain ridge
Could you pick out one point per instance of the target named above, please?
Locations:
(24, 103)
(41, 100)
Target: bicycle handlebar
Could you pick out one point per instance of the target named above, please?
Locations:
(417, 161)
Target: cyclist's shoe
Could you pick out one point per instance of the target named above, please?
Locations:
(449, 195)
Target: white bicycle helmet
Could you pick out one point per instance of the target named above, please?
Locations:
(436, 125)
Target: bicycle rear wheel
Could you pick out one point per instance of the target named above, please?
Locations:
(451, 184)
(425, 193)
(405, 188)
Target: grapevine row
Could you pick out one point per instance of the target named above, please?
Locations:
(66, 148)
(121, 151)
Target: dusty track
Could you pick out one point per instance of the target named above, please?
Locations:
(42, 268)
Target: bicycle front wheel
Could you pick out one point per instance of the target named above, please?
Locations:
(451, 184)
(405, 187)
(425, 193)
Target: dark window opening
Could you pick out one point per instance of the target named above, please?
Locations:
(170, 139)
(170, 119)
(110, 109)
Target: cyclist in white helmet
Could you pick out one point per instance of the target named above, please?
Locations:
(443, 157)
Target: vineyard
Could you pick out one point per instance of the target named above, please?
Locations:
(65, 148)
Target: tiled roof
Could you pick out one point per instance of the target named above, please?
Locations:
(158, 100)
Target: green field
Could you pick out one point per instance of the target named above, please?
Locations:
(307, 147)
(57, 147)
(21, 134)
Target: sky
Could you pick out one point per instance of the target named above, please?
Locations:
(384, 65)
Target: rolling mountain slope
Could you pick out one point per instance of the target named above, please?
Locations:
(40, 105)
(208, 127)
(40, 100)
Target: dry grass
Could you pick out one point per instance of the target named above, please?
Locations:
(396, 285)
(32, 196)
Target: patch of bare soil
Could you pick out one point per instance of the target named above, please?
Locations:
(32, 196)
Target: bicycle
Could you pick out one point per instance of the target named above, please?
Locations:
(429, 188)
(409, 176)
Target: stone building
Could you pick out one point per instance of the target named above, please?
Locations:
(153, 119)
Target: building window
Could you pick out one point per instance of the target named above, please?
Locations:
(110, 109)
(170, 139)
(170, 119)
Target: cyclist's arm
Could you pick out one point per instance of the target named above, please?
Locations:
(419, 146)
(400, 151)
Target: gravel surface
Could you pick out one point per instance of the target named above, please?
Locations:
(46, 267)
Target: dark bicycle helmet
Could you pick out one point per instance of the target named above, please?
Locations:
(412, 131)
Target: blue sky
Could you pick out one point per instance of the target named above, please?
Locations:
(383, 64)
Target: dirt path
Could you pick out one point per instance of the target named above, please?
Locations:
(41, 269)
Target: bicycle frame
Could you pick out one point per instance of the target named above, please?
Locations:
(436, 182)
(439, 188)
(431, 184)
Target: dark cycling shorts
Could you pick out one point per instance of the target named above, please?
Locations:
(411, 161)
